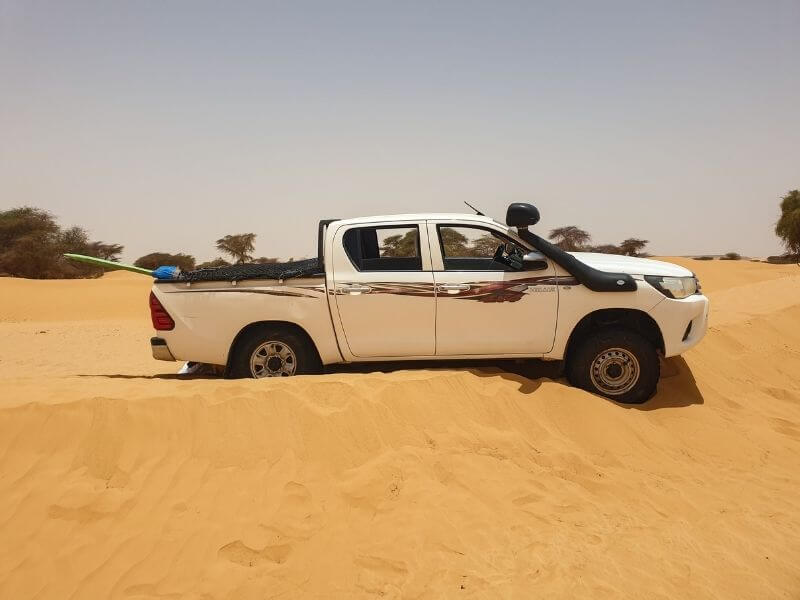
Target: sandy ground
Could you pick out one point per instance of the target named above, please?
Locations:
(119, 480)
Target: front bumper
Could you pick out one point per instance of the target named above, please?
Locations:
(160, 349)
(674, 317)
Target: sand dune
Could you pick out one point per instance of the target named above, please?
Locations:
(119, 480)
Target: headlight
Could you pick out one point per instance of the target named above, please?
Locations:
(673, 287)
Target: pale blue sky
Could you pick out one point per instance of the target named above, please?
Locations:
(165, 125)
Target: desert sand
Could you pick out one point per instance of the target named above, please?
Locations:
(120, 480)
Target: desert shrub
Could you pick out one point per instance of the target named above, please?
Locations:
(704, 258)
(212, 264)
(605, 249)
(158, 259)
(731, 256)
(784, 259)
(264, 260)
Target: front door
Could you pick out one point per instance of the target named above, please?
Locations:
(383, 290)
(484, 306)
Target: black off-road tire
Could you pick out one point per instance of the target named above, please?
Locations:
(301, 350)
(606, 352)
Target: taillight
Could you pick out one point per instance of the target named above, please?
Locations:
(161, 319)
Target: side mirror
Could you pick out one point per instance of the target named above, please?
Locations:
(534, 261)
(520, 214)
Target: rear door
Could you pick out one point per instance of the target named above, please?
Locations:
(383, 289)
(484, 306)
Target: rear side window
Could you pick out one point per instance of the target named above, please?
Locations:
(384, 248)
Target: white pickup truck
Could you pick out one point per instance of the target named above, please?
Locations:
(436, 286)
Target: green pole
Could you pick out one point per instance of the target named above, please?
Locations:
(108, 264)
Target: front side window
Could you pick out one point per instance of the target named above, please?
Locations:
(384, 248)
(467, 248)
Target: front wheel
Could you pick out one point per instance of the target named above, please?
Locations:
(615, 363)
(273, 352)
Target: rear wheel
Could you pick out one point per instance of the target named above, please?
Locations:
(616, 363)
(273, 351)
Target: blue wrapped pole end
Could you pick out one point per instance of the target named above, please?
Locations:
(167, 272)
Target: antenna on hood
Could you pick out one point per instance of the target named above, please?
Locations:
(477, 212)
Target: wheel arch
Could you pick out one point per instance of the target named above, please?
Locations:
(626, 318)
(251, 327)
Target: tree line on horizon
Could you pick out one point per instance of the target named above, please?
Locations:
(238, 247)
(32, 245)
(574, 239)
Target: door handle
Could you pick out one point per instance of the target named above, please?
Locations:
(452, 287)
(354, 289)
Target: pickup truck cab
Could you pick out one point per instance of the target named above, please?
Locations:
(436, 286)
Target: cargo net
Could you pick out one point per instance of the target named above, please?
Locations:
(286, 270)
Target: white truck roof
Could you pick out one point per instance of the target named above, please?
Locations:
(421, 217)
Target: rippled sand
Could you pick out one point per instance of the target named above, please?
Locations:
(120, 480)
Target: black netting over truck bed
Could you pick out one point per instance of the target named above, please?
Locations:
(286, 270)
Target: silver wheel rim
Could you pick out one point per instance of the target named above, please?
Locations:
(273, 359)
(614, 371)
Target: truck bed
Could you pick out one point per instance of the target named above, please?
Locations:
(282, 270)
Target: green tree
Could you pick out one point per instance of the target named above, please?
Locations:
(73, 239)
(400, 245)
(20, 222)
(158, 259)
(106, 251)
(632, 246)
(788, 226)
(239, 246)
(570, 238)
(454, 242)
(76, 240)
(31, 245)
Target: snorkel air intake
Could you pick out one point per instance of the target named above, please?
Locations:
(522, 215)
